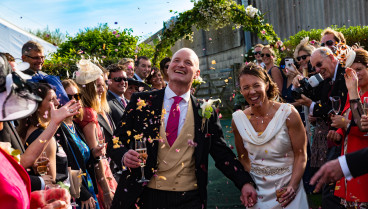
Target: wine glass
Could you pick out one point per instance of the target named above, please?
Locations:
(41, 163)
(140, 147)
(101, 141)
(365, 106)
(336, 104)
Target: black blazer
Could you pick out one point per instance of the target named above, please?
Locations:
(63, 136)
(9, 134)
(325, 90)
(117, 109)
(147, 122)
(358, 162)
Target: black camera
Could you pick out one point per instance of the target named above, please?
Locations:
(306, 86)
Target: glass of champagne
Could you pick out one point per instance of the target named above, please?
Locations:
(336, 104)
(101, 141)
(140, 147)
(41, 163)
(365, 106)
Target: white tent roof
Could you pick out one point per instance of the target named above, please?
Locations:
(13, 38)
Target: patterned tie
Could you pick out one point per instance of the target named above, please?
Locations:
(173, 121)
(124, 102)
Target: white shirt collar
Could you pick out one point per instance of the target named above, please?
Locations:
(138, 78)
(169, 94)
(337, 66)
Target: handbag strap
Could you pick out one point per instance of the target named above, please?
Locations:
(71, 149)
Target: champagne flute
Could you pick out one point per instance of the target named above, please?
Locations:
(101, 141)
(336, 104)
(140, 147)
(365, 106)
(41, 163)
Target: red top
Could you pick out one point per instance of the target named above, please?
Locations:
(89, 116)
(356, 189)
(15, 185)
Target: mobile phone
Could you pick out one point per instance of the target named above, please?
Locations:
(288, 63)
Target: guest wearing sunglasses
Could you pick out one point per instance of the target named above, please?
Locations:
(268, 58)
(164, 65)
(118, 84)
(257, 55)
(330, 38)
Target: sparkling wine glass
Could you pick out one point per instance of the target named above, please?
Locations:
(140, 147)
(336, 104)
(41, 163)
(101, 142)
(365, 106)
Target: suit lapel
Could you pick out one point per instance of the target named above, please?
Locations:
(198, 136)
(104, 124)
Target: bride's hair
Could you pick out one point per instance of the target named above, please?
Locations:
(255, 70)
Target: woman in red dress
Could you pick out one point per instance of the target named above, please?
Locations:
(353, 192)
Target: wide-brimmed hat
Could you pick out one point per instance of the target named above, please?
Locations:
(145, 86)
(87, 73)
(16, 98)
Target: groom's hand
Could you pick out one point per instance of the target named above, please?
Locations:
(131, 159)
(248, 195)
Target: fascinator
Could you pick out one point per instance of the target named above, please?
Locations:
(87, 72)
(345, 54)
(55, 82)
(16, 98)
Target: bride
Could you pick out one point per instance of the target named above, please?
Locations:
(271, 142)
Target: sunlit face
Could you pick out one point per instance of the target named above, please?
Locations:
(323, 65)
(157, 79)
(267, 56)
(303, 63)
(129, 69)
(143, 69)
(44, 108)
(72, 90)
(184, 67)
(257, 54)
(35, 59)
(130, 90)
(253, 89)
(101, 86)
(362, 73)
(329, 37)
(118, 87)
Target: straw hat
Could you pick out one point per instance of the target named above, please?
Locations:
(87, 73)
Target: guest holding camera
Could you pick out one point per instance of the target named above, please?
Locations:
(320, 105)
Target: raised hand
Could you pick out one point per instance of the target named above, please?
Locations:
(69, 109)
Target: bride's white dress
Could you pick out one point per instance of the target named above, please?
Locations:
(271, 156)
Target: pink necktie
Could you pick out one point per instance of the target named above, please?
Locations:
(124, 102)
(173, 121)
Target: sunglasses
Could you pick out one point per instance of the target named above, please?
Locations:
(119, 79)
(304, 57)
(36, 58)
(267, 55)
(256, 53)
(328, 43)
(76, 97)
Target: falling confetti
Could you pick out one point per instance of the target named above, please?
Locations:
(213, 62)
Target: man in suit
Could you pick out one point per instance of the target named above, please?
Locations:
(350, 165)
(178, 141)
(325, 63)
(142, 68)
(117, 86)
(32, 52)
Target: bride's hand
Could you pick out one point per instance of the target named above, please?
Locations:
(287, 196)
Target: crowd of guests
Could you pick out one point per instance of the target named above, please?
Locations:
(86, 128)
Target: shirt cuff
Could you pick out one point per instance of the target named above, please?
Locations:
(345, 168)
(43, 185)
(311, 107)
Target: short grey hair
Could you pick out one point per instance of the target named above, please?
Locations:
(324, 51)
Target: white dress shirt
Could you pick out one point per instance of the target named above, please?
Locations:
(345, 168)
(183, 105)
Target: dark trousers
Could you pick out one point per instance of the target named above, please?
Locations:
(159, 199)
(329, 200)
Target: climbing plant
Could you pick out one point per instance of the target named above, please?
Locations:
(212, 14)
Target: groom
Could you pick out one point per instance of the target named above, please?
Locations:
(178, 143)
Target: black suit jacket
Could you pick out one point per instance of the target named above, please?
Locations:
(358, 162)
(117, 109)
(9, 134)
(325, 90)
(147, 122)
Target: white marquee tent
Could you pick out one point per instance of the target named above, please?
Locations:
(12, 39)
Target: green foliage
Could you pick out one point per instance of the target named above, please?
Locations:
(53, 37)
(103, 43)
(213, 14)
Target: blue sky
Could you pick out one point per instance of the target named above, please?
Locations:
(145, 17)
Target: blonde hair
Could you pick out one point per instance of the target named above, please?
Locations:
(338, 36)
(271, 50)
(90, 98)
(304, 46)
